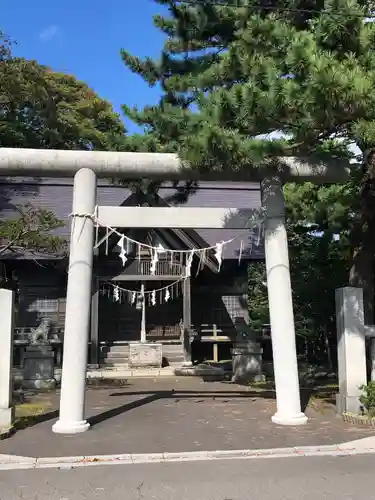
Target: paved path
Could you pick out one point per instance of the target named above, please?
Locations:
(178, 415)
(337, 478)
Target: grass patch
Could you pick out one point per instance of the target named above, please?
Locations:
(320, 397)
(32, 409)
(28, 414)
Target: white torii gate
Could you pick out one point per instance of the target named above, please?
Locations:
(86, 166)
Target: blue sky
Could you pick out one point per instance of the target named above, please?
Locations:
(84, 38)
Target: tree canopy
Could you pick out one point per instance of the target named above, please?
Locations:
(41, 108)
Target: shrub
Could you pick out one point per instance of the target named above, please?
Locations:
(367, 398)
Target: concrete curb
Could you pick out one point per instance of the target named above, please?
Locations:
(9, 462)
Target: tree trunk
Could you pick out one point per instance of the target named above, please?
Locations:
(363, 245)
(362, 276)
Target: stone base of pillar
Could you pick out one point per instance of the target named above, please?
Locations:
(93, 366)
(247, 362)
(299, 419)
(207, 372)
(61, 427)
(187, 363)
(39, 384)
(350, 404)
(6, 418)
(38, 372)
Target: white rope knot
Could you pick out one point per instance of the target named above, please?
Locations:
(82, 214)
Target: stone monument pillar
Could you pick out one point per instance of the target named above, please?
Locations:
(351, 348)
(6, 358)
(246, 355)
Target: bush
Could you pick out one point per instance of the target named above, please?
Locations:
(368, 398)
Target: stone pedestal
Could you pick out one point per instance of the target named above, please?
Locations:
(38, 372)
(247, 362)
(144, 355)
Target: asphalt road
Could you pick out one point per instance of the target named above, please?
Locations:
(333, 478)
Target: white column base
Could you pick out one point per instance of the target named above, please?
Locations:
(70, 427)
(298, 419)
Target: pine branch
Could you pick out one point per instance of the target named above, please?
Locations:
(13, 242)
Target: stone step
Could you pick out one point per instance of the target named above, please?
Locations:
(115, 354)
(114, 366)
(119, 360)
(114, 348)
(172, 349)
(173, 358)
(124, 373)
(168, 348)
(174, 345)
(118, 354)
(125, 361)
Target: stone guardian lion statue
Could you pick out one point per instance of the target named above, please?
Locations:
(40, 334)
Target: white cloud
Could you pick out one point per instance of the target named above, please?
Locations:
(48, 33)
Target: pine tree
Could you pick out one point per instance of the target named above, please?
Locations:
(231, 73)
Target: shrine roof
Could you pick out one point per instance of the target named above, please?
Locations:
(55, 194)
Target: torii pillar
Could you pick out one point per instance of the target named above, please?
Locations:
(78, 307)
(281, 306)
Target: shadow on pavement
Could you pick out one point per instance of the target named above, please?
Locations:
(30, 420)
(114, 412)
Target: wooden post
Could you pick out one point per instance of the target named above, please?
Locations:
(94, 346)
(216, 345)
(186, 320)
(143, 320)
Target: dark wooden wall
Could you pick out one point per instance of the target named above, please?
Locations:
(41, 293)
(214, 300)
